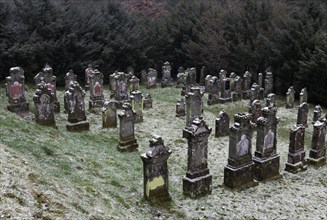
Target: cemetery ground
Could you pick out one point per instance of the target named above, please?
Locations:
(48, 173)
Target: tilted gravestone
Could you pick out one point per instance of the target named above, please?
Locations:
(88, 72)
(269, 83)
(317, 154)
(147, 101)
(180, 108)
(246, 85)
(222, 124)
(134, 83)
(137, 105)
(302, 114)
(296, 156)
(127, 140)
(290, 97)
(75, 107)
(303, 95)
(266, 159)
(47, 75)
(194, 105)
(15, 90)
(70, 77)
(225, 91)
(316, 113)
(238, 93)
(96, 90)
(44, 107)
(166, 75)
(155, 170)
(151, 79)
(239, 171)
(271, 100)
(109, 114)
(198, 180)
(213, 90)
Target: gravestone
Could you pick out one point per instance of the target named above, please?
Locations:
(222, 124)
(151, 79)
(192, 74)
(265, 158)
(130, 71)
(137, 105)
(180, 108)
(198, 180)
(290, 97)
(271, 100)
(75, 107)
(238, 93)
(112, 84)
(203, 75)
(147, 101)
(127, 140)
(246, 85)
(143, 76)
(155, 170)
(181, 78)
(317, 154)
(303, 95)
(222, 76)
(166, 80)
(208, 83)
(121, 94)
(225, 91)
(213, 90)
(70, 77)
(194, 105)
(255, 111)
(134, 84)
(96, 90)
(44, 109)
(244, 119)
(261, 89)
(254, 93)
(15, 90)
(269, 83)
(239, 171)
(109, 114)
(302, 114)
(88, 72)
(296, 156)
(50, 80)
(232, 78)
(316, 113)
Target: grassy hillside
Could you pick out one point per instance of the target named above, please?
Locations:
(49, 173)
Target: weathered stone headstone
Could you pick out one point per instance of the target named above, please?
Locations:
(70, 77)
(222, 124)
(225, 91)
(302, 114)
(290, 97)
(238, 93)
(147, 101)
(15, 90)
(266, 159)
(127, 141)
(296, 156)
(88, 73)
(232, 78)
(75, 107)
(192, 74)
(222, 76)
(213, 90)
(203, 75)
(239, 172)
(208, 83)
(166, 75)
(260, 84)
(137, 105)
(143, 76)
(96, 90)
(269, 83)
(44, 109)
(254, 92)
(255, 110)
(50, 80)
(180, 108)
(198, 180)
(112, 84)
(271, 100)
(109, 114)
(317, 113)
(151, 79)
(121, 94)
(181, 80)
(303, 95)
(194, 105)
(317, 155)
(246, 85)
(244, 119)
(134, 84)
(155, 170)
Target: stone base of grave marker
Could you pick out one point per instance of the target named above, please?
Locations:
(296, 162)
(78, 126)
(236, 96)
(317, 158)
(224, 100)
(166, 83)
(56, 107)
(128, 145)
(240, 177)
(197, 184)
(212, 99)
(51, 123)
(21, 107)
(96, 104)
(267, 168)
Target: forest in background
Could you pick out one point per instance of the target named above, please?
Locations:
(288, 37)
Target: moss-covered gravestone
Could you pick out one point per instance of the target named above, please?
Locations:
(109, 115)
(127, 140)
(155, 170)
(134, 84)
(198, 180)
(317, 155)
